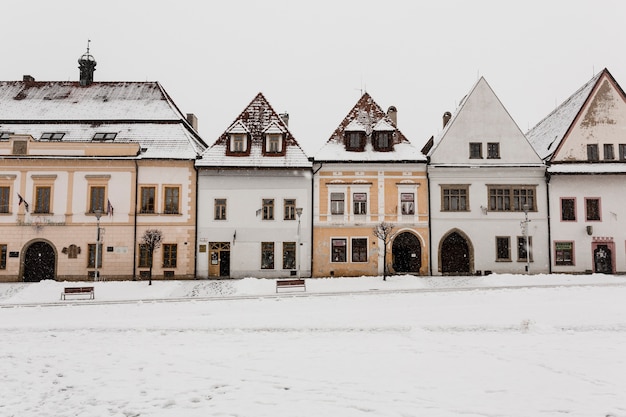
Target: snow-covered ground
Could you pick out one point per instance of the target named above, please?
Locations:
(347, 347)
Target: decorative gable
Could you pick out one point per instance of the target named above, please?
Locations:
(238, 140)
(481, 132)
(274, 140)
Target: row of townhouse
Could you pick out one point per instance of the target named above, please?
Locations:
(87, 167)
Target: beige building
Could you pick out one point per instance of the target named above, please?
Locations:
(86, 167)
(368, 173)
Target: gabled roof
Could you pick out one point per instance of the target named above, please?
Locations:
(255, 119)
(367, 115)
(137, 111)
(547, 135)
(481, 118)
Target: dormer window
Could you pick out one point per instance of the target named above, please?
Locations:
(273, 143)
(355, 141)
(382, 140)
(5, 135)
(52, 136)
(104, 136)
(238, 142)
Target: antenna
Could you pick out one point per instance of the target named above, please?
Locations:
(88, 41)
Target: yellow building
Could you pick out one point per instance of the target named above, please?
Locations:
(85, 168)
(366, 174)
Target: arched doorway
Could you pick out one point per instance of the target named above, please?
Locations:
(454, 253)
(406, 253)
(603, 260)
(39, 262)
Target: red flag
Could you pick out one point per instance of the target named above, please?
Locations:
(21, 200)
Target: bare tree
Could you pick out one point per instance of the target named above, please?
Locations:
(383, 231)
(151, 240)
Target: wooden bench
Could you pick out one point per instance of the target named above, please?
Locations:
(290, 283)
(78, 291)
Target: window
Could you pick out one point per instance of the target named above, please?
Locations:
(267, 255)
(96, 199)
(522, 252)
(337, 203)
(104, 136)
(493, 150)
(172, 200)
(91, 261)
(3, 256)
(289, 255)
(511, 198)
(355, 141)
(359, 250)
(145, 260)
(592, 209)
(454, 198)
(42, 200)
(220, 209)
(273, 143)
(5, 135)
(4, 199)
(382, 140)
(20, 147)
(609, 154)
(268, 209)
(407, 201)
(503, 248)
(360, 203)
(147, 199)
(592, 153)
(622, 151)
(476, 150)
(52, 136)
(238, 142)
(338, 250)
(170, 251)
(290, 209)
(568, 209)
(564, 253)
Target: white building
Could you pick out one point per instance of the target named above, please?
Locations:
(485, 181)
(254, 200)
(583, 142)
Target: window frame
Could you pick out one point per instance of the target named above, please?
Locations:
(510, 198)
(3, 256)
(220, 206)
(146, 206)
(289, 255)
(43, 199)
(574, 213)
(145, 260)
(493, 150)
(168, 200)
(503, 244)
(383, 140)
(462, 197)
(354, 140)
(410, 211)
(521, 240)
(593, 153)
(289, 209)
(622, 152)
(267, 255)
(339, 247)
(359, 206)
(5, 199)
(475, 150)
(608, 152)
(571, 250)
(598, 208)
(268, 209)
(170, 255)
(91, 255)
(97, 202)
(337, 206)
(359, 251)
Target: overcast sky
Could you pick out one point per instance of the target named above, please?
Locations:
(313, 59)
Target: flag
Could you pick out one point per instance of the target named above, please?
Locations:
(21, 200)
(109, 208)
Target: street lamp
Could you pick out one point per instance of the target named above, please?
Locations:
(299, 213)
(525, 207)
(98, 214)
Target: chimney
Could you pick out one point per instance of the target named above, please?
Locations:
(392, 113)
(446, 118)
(29, 79)
(285, 118)
(193, 121)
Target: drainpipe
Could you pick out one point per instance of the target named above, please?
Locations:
(135, 221)
(312, 194)
(548, 219)
(195, 223)
(430, 228)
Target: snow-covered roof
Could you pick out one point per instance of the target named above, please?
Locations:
(549, 132)
(137, 111)
(587, 168)
(367, 115)
(256, 119)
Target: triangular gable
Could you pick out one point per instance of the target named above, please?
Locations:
(274, 128)
(482, 118)
(599, 120)
(238, 127)
(546, 136)
(383, 126)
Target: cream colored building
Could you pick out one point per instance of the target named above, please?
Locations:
(88, 165)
